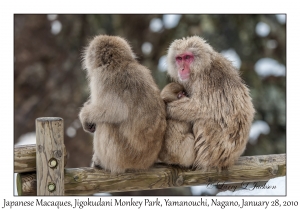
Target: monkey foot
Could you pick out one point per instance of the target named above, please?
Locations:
(97, 166)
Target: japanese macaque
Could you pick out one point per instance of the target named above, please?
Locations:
(219, 105)
(178, 146)
(125, 110)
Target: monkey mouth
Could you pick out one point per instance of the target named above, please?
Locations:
(184, 77)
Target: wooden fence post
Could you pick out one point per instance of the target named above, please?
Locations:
(50, 156)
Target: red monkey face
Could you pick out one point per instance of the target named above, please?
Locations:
(183, 62)
(187, 58)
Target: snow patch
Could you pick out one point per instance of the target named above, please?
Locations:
(281, 19)
(257, 128)
(262, 29)
(156, 25)
(162, 63)
(203, 190)
(231, 55)
(147, 48)
(171, 21)
(71, 132)
(51, 17)
(27, 138)
(265, 67)
(56, 27)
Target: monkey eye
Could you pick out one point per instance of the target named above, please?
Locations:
(178, 58)
(187, 57)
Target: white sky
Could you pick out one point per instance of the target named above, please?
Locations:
(8, 8)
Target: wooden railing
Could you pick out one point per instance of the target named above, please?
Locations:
(41, 170)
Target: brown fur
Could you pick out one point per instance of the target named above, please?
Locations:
(125, 107)
(178, 146)
(219, 105)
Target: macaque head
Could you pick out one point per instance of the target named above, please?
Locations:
(172, 92)
(106, 50)
(187, 57)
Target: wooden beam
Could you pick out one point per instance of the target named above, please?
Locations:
(87, 181)
(25, 158)
(26, 183)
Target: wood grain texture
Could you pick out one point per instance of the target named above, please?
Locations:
(86, 181)
(25, 181)
(49, 146)
(25, 158)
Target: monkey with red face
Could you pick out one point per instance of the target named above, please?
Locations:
(219, 106)
(178, 146)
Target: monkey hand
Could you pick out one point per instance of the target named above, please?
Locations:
(89, 127)
(185, 109)
(86, 120)
(181, 94)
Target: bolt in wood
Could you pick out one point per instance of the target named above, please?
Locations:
(51, 187)
(52, 163)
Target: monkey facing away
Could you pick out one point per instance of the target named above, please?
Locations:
(178, 146)
(219, 105)
(125, 110)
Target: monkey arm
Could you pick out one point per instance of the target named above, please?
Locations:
(185, 109)
(103, 113)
